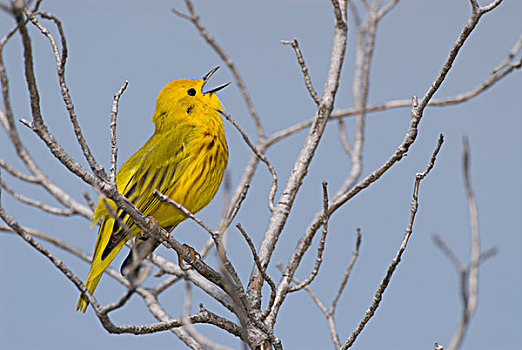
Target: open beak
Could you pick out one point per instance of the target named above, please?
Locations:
(205, 79)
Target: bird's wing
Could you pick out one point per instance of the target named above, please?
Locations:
(156, 166)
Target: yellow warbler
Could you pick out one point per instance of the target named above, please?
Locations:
(184, 159)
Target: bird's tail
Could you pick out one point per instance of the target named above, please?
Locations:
(100, 262)
(91, 284)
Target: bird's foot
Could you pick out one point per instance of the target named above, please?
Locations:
(193, 256)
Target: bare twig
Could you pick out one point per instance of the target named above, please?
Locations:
(35, 203)
(114, 147)
(344, 139)
(320, 247)
(495, 76)
(444, 248)
(119, 303)
(348, 271)
(396, 260)
(233, 289)
(300, 168)
(204, 341)
(265, 276)
(185, 211)
(384, 10)
(88, 199)
(469, 278)
(300, 59)
(17, 173)
(60, 63)
(409, 139)
(261, 156)
(7, 120)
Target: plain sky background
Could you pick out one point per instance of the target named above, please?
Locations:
(144, 43)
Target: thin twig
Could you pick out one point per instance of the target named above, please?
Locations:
(119, 303)
(265, 276)
(35, 203)
(348, 271)
(8, 123)
(191, 330)
(261, 156)
(114, 147)
(233, 289)
(383, 11)
(469, 281)
(185, 211)
(396, 260)
(60, 63)
(17, 173)
(446, 250)
(300, 169)
(320, 247)
(88, 199)
(310, 292)
(300, 59)
(495, 76)
(344, 138)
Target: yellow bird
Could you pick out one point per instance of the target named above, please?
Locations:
(185, 159)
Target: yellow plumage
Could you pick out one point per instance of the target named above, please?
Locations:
(185, 159)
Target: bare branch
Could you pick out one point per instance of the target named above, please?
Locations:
(344, 139)
(495, 76)
(310, 292)
(300, 59)
(88, 199)
(411, 135)
(261, 156)
(35, 203)
(207, 343)
(114, 147)
(468, 28)
(300, 168)
(348, 272)
(395, 262)
(119, 303)
(383, 11)
(265, 276)
(185, 211)
(8, 123)
(18, 174)
(512, 53)
(320, 247)
(60, 63)
(489, 7)
(233, 289)
(169, 267)
(448, 252)
(469, 277)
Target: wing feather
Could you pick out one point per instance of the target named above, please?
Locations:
(157, 168)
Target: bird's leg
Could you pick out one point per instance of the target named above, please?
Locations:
(144, 244)
(155, 232)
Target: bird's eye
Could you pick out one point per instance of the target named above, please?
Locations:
(192, 92)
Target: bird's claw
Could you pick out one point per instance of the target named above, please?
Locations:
(191, 252)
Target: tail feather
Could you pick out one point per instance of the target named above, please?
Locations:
(91, 284)
(99, 264)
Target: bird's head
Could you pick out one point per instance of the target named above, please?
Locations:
(184, 99)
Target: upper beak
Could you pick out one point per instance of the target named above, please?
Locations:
(205, 79)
